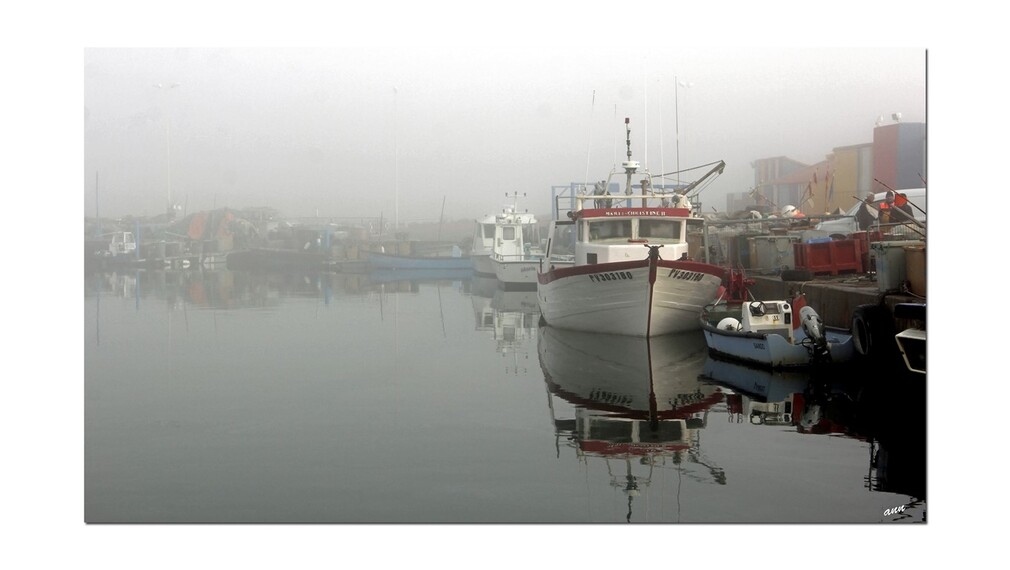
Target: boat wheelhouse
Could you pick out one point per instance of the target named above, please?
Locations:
(481, 246)
(516, 251)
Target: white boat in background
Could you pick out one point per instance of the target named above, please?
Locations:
(773, 334)
(480, 246)
(516, 251)
(620, 264)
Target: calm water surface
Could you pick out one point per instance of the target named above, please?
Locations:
(229, 396)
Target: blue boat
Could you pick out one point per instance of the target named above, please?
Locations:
(387, 261)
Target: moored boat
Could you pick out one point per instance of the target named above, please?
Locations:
(774, 334)
(630, 271)
(516, 251)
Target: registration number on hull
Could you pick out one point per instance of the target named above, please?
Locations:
(612, 276)
(686, 275)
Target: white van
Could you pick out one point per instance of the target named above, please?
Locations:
(848, 225)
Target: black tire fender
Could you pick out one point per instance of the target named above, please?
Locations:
(797, 275)
(872, 331)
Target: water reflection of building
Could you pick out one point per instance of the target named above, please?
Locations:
(888, 415)
(637, 404)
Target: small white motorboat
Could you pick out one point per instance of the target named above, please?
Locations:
(773, 334)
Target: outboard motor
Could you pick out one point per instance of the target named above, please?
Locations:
(813, 326)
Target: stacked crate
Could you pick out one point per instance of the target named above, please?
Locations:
(830, 256)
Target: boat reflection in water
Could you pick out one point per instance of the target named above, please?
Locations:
(888, 415)
(510, 318)
(638, 405)
(762, 396)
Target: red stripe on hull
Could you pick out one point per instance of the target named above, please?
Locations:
(559, 273)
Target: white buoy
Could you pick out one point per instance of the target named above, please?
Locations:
(729, 324)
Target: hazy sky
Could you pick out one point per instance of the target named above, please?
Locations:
(371, 131)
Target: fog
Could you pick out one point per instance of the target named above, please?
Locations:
(400, 131)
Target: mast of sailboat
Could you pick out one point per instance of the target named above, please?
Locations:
(676, 120)
(441, 216)
(589, 145)
(98, 216)
(396, 165)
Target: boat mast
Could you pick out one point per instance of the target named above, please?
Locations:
(630, 166)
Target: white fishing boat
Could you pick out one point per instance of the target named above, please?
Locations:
(774, 334)
(620, 264)
(481, 245)
(516, 251)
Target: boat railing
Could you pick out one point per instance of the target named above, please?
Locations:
(899, 231)
(648, 200)
(565, 205)
(533, 255)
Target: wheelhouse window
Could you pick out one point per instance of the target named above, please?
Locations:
(562, 242)
(663, 231)
(488, 230)
(610, 231)
(508, 233)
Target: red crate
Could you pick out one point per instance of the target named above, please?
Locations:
(833, 257)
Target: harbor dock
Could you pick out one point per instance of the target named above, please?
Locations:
(836, 299)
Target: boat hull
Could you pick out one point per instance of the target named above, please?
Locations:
(635, 298)
(516, 275)
(770, 350)
(482, 265)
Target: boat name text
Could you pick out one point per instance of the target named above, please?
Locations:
(624, 212)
